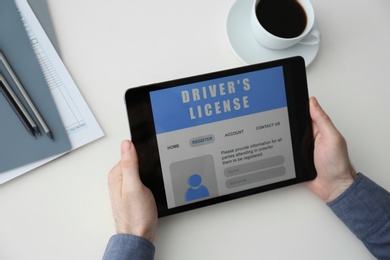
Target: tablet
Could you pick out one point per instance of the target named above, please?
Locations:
(211, 138)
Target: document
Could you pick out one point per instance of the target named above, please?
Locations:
(80, 124)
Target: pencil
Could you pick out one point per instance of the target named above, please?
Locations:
(15, 104)
(28, 100)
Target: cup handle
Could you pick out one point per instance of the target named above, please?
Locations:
(312, 38)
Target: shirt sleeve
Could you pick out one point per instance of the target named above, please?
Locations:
(365, 209)
(126, 247)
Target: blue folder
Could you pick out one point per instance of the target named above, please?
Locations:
(17, 146)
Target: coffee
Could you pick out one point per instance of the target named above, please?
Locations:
(282, 18)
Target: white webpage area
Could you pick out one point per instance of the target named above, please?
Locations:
(224, 157)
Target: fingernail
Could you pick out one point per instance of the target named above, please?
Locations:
(314, 102)
(125, 145)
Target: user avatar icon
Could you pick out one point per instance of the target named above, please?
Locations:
(196, 190)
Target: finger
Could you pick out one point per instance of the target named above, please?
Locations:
(321, 120)
(129, 165)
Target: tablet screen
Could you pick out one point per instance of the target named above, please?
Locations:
(220, 135)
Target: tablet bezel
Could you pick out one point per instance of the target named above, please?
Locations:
(143, 133)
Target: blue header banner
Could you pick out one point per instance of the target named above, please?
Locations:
(218, 99)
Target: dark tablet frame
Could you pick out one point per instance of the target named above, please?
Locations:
(143, 134)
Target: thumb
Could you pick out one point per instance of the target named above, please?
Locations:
(129, 165)
(321, 120)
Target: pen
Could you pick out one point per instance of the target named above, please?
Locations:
(28, 100)
(15, 104)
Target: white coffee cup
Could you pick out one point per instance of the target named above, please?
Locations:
(309, 36)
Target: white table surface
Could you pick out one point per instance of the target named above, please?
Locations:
(62, 210)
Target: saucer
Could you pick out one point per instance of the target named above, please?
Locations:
(248, 49)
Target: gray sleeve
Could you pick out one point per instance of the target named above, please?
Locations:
(365, 209)
(124, 247)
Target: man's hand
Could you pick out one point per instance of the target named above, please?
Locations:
(334, 170)
(133, 205)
